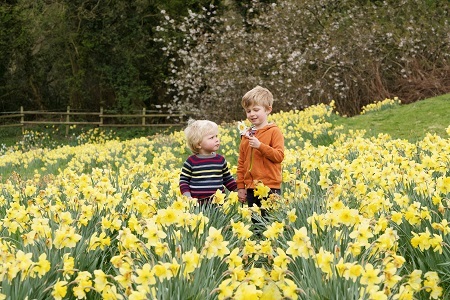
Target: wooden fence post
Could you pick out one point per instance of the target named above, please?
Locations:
(67, 120)
(101, 117)
(143, 118)
(22, 119)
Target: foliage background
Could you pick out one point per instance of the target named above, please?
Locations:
(201, 56)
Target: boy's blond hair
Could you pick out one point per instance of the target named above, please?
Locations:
(257, 96)
(196, 130)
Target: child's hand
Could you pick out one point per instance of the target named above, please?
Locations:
(254, 142)
(242, 195)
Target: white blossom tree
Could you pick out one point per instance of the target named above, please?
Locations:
(306, 52)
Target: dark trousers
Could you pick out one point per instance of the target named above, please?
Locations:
(252, 199)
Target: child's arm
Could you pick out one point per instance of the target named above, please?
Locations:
(273, 152)
(185, 179)
(242, 195)
(228, 180)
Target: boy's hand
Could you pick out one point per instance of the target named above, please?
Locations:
(242, 195)
(254, 142)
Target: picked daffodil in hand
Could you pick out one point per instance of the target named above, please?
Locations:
(242, 127)
(245, 130)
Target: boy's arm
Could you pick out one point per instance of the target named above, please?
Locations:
(185, 179)
(274, 153)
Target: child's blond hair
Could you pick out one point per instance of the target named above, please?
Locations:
(196, 130)
(257, 96)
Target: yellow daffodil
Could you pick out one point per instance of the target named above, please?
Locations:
(226, 289)
(405, 293)
(138, 295)
(110, 293)
(59, 290)
(65, 236)
(42, 266)
(101, 280)
(256, 276)
(281, 260)
(291, 216)
(241, 230)
(274, 230)
(101, 241)
(370, 276)
(246, 291)
(153, 234)
(218, 197)
(271, 292)
(266, 248)
(390, 275)
(69, 265)
(84, 284)
(162, 271)
(191, 260)
(234, 260)
(24, 261)
(289, 289)
(415, 280)
(431, 285)
(421, 240)
(324, 260)
(145, 275)
(261, 191)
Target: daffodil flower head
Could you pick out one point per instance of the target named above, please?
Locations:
(261, 191)
(245, 130)
(218, 197)
(242, 127)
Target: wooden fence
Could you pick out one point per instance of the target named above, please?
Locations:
(100, 118)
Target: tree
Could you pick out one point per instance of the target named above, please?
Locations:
(84, 53)
(13, 49)
(308, 52)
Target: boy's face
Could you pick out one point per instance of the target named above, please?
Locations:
(210, 143)
(257, 115)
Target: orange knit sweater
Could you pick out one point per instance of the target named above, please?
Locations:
(265, 162)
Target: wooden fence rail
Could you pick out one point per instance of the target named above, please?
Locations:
(145, 116)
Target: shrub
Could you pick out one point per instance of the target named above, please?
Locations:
(308, 52)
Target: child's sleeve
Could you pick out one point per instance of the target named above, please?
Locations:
(228, 180)
(185, 179)
(275, 151)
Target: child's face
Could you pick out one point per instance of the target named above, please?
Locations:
(257, 115)
(210, 143)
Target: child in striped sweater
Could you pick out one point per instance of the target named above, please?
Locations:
(205, 171)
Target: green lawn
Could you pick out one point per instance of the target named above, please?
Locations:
(410, 121)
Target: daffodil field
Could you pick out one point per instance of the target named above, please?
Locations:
(358, 218)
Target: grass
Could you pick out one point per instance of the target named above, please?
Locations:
(409, 121)
(12, 135)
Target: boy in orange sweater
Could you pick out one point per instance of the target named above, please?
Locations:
(261, 150)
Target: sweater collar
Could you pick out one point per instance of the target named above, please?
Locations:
(206, 155)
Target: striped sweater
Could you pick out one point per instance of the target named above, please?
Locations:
(202, 175)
